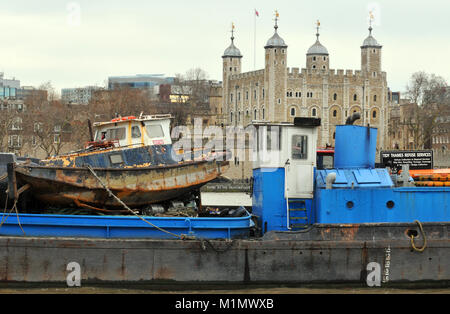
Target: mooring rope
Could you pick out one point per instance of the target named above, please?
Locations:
(424, 238)
(182, 237)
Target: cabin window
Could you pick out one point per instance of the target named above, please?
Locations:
(116, 159)
(154, 131)
(299, 147)
(273, 139)
(113, 134)
(135, 132)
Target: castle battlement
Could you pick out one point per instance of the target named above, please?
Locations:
(247, 75)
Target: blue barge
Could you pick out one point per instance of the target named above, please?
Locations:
(348, 224)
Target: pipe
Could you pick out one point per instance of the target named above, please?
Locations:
(331, 178)
(91, 134)
(353, 118)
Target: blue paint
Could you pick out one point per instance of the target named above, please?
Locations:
(356, 178)
(355, 147)
(270, 205)
(382, 205)
(268, 199)
(124, 226)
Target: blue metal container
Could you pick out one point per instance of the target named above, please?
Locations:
(36, 225)
(355, 147)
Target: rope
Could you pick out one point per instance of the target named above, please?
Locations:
(182, 237)
(424, 239)
(10, 211)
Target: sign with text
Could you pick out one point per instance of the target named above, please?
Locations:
(415, 159)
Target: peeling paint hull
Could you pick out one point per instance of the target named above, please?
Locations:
(136, 187)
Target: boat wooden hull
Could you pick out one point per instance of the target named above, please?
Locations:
(136, 187)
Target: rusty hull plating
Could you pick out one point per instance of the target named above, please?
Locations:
(136, 187)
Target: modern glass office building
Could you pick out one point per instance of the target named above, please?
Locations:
(143, 81)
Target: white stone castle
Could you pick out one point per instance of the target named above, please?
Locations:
(278, 93)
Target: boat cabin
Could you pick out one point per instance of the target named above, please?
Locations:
(135, 131)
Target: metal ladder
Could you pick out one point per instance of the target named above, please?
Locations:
(298, 214)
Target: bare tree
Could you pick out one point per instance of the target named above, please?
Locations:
(427, 95)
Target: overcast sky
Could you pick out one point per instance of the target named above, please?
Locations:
(46, 40)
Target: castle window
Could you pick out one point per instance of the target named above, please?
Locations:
(314, 112)
(263, 114)
(279, 101)
(292, 112)
(255, 93)
(239, 96)
(239, 116)
(334, 113)
(324, 58)
(374, 114)
(334, 135)
(313, 66)
(282, 51)
(231, 69)
(235, 69)
(246, 113)
(246, 95)
(314, 58)
(374, 74)
(374, 97)
(355, 97)
(324, 67)
(254, 114)
(264, 93)
(335, 96)
(231, 97)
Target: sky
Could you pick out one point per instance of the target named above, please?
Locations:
(81, 43)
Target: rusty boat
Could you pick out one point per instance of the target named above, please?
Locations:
(130, 157)
(345, 222)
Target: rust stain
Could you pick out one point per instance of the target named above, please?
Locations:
(349, 232)
(164, 273)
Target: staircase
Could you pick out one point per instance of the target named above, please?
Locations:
(298, 214)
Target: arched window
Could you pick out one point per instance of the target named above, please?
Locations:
(263, 114)
(314, 112)
(355, 97)
(292, 112)
(231, 116)
(374, 114)
(374, 97)
(334, 113)
(254, 114)
(335, 96)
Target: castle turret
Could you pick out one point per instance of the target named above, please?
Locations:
(231, 65)
(317, 57)
(276, 76)
(371, 55)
